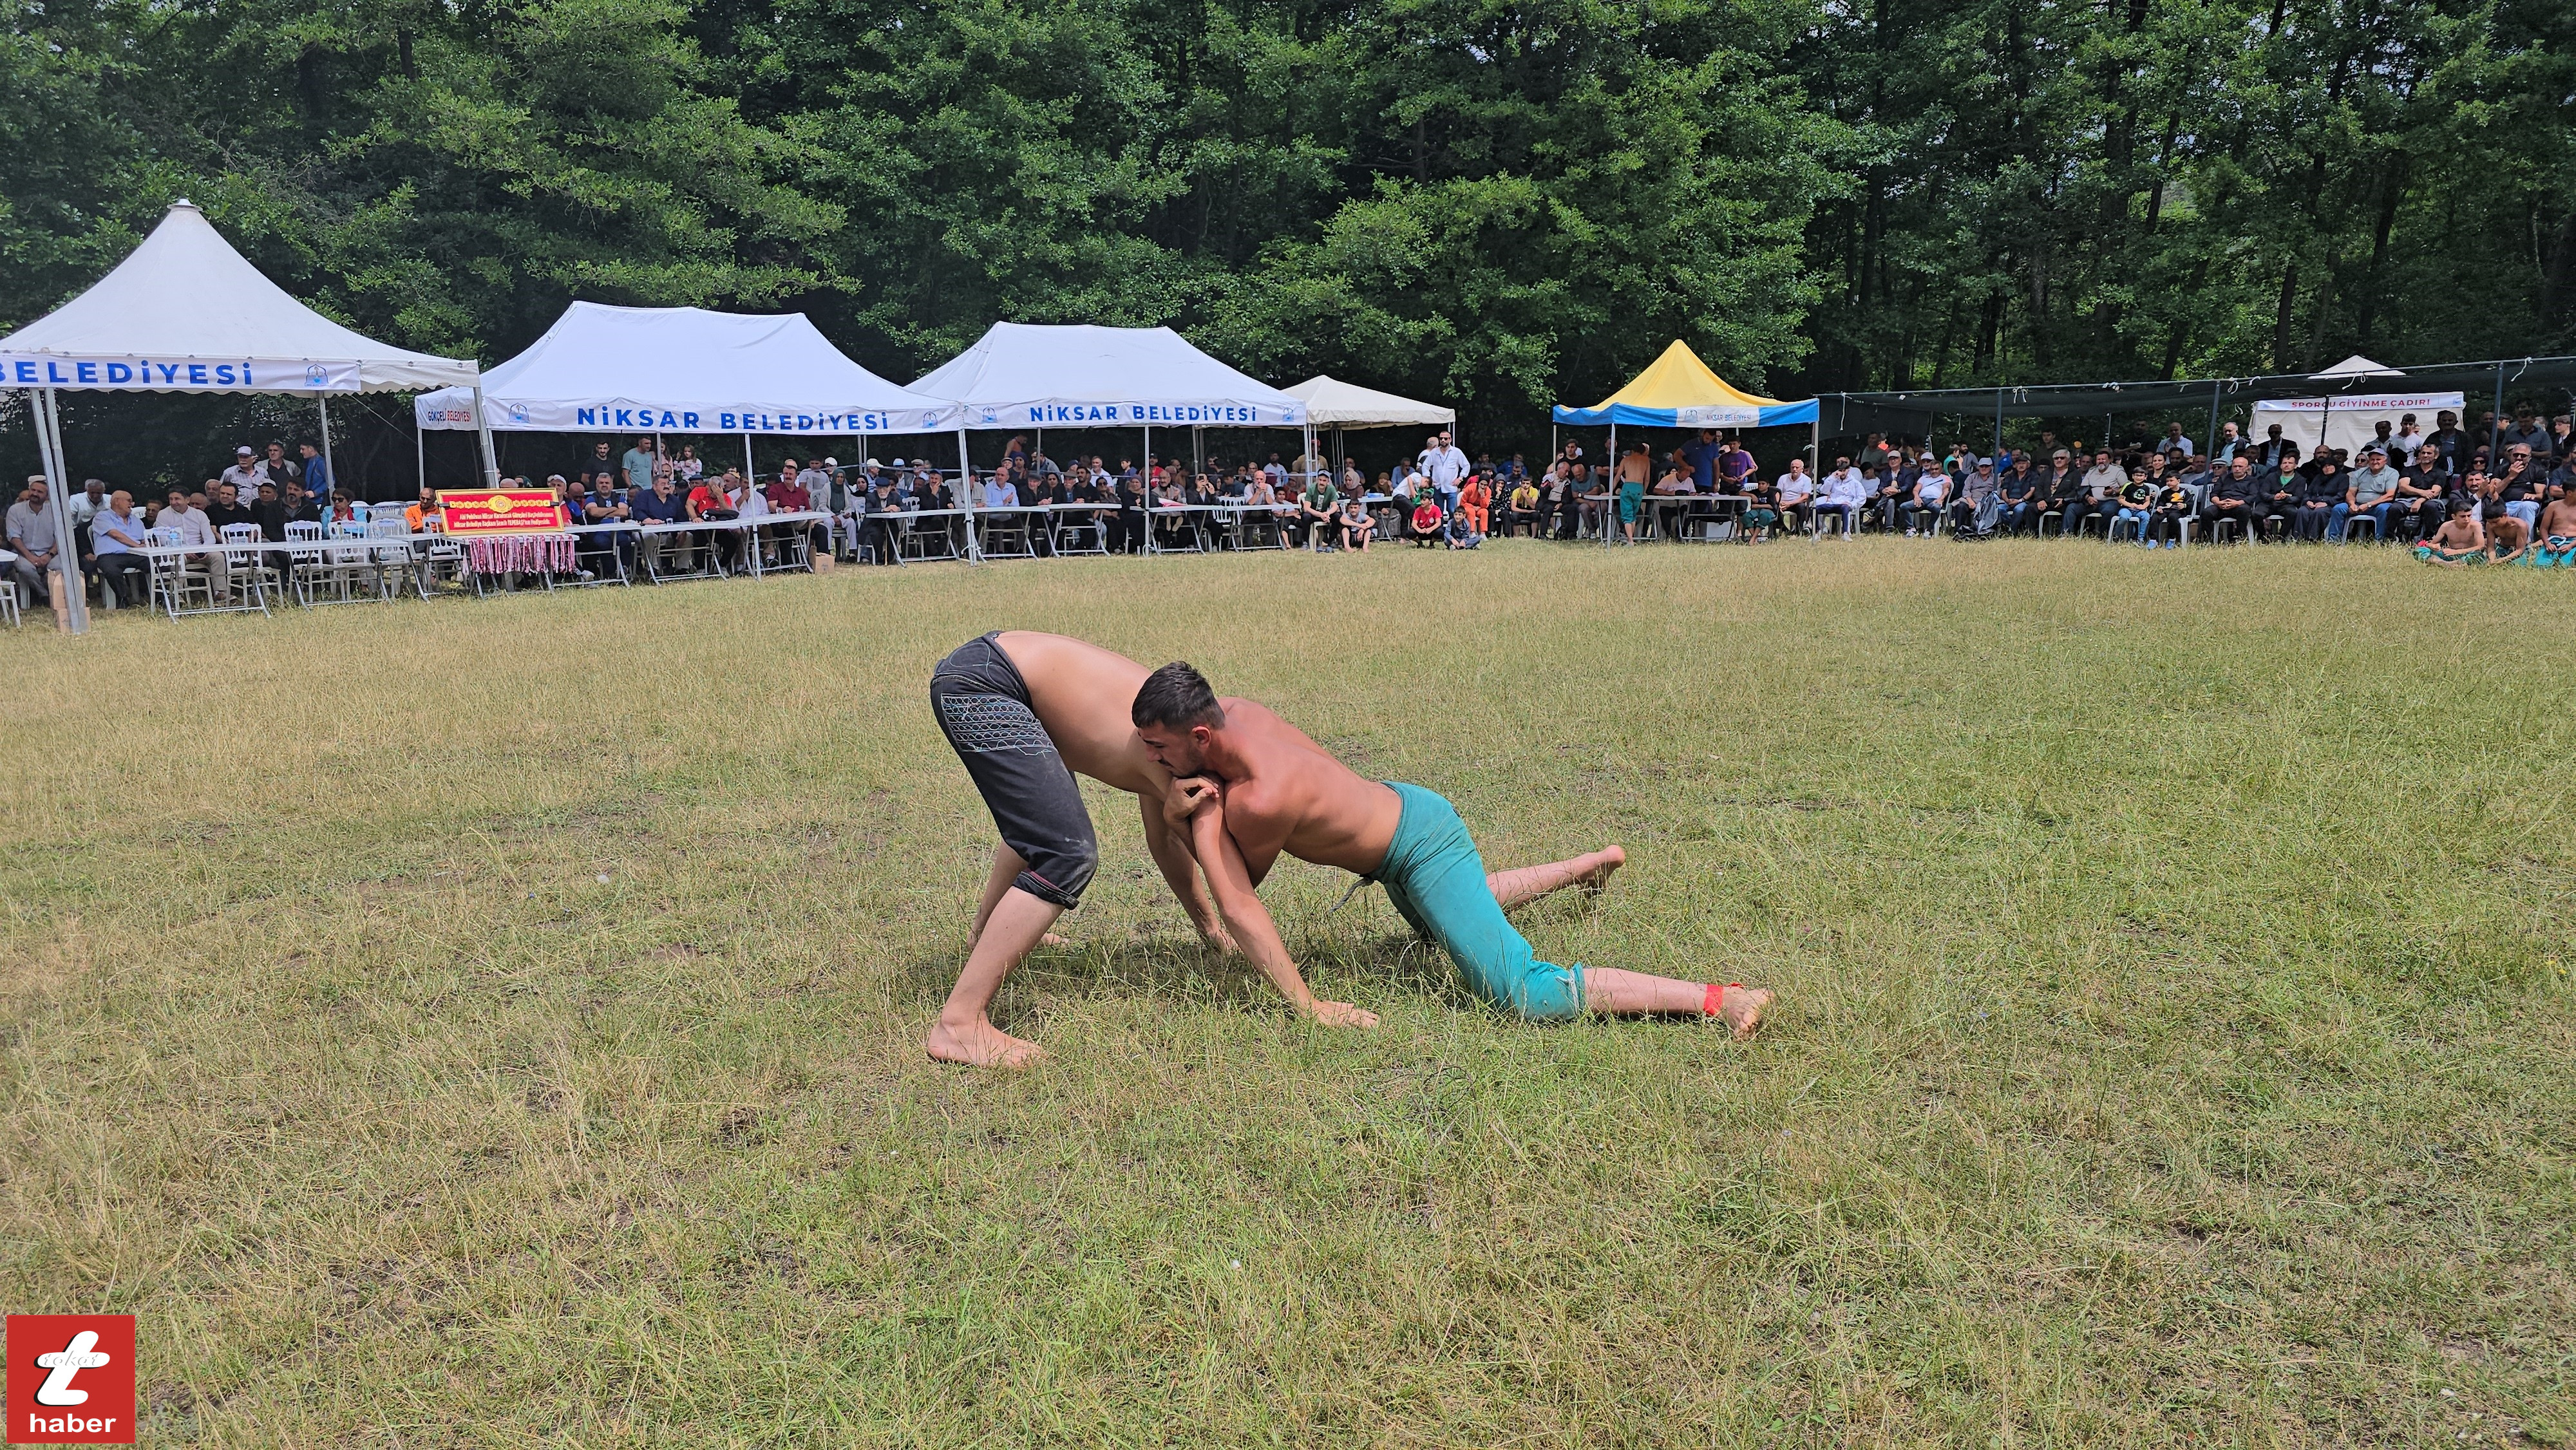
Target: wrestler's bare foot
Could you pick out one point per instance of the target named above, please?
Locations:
(1611, 858)
(1742, 1008)
(980, 1044)
(1050, 939)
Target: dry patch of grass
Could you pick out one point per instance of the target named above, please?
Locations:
(495, 1023)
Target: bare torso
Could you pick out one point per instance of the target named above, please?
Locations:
(2558, 521)
(1083, 695)
(1291, 795)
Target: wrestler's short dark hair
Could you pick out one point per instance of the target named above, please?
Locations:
(1176, 696)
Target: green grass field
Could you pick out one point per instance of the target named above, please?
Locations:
(498, 1023)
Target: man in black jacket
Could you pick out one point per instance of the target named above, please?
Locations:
(2231, 496)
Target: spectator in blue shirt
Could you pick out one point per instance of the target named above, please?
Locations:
(317, 474)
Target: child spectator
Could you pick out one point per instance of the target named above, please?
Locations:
(2173, 506)
(2458, 542)
(2137, 507)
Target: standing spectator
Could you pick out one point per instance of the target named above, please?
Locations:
(276, 465)
(2173, 445)
(1701, 455)
(2452, 444)
(638, 465)
(2230, 443)
(600, 460)
(316, 472)
(1735, 467)
(2525, 432)
(115, 533)
(247, 474)
(2268, 452)
(2409, 438)
(33, 532)
(1446, 467)
(686, 469)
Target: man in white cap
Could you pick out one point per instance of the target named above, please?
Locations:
(246, 475)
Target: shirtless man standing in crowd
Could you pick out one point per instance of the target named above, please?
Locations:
(1249, 786)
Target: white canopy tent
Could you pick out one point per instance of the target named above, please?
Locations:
(1340, 406)
(685, 370)
(1028, 375)
(2348, 420)
(185, 313)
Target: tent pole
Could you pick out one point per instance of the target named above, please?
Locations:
(966, 491)
(1613, 485)
(750, 470)
(1999, 429)
(420, 449)
(1145, 486)
(2210, 446)
(2495, 420)
(58, 473)
(483, 435)
(322, 402)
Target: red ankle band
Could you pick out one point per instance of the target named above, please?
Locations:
(1716, 997)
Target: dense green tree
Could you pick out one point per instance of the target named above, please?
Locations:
(1503, 203)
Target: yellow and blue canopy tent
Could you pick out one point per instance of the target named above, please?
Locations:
(1677, 390)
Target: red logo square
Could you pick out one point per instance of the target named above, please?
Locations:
(71, 1379)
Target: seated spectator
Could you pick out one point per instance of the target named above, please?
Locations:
(1761, 508)
(2423, 493)
(1356, 526)
(2370, 489)
(1520, 511)
(2231, 497)
(1793, 494)
(1890, 487)
(1844, 494)
(2554, 540)
(226, 509)
(1475, 500)
(1923, 504)
(1461, 533)
(2137, 502)
(2459, 541)
(1979, 505)
(2321, 493)
(116, 531)
(2518, 485)
(2017, 498)
(34, 534)
(1317, 510)
(2174, 505)
(2277, 490)
(180, 516)
(1425, 526)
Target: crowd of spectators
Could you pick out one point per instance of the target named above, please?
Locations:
(102, 525)
(2504, 484)
(2492, 491)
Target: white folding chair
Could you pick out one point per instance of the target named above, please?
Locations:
(179, 581)
(247, 559)
(9, 587)
(393, 557)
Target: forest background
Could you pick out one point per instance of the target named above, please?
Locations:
(1501, 204)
